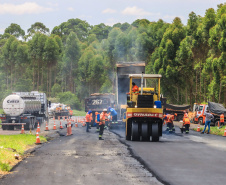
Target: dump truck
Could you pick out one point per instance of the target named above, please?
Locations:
(96, 102)
(144, 112)
(58, 110)
(24, 108)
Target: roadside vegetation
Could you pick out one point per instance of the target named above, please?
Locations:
(14, 144)
(214, 130)
(76, 59)
(79, 113)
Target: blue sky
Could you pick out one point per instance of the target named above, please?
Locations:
(54, 12)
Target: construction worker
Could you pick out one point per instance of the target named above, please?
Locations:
(91, 122)
(169, 122)
(102, 123)
(113, 114)
(70, 112)
(97, 121)
(88, 120)
(135, 88)
(222, 119)
(209, 116)
(186, 124)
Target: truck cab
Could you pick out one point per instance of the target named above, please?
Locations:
(200, 113)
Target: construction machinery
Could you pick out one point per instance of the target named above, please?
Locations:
(58, 110)
(144, 114)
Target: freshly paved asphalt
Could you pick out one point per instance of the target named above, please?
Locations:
(80, 159)
(181, 159)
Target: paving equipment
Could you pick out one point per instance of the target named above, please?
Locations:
(24, 108)
(144, 114)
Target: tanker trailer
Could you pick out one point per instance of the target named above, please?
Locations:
(20, 110)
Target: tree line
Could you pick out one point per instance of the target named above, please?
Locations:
(76, 59)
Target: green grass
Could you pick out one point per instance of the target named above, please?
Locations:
(214, 130)
(79, 113)
(1, 111)
(14, 144)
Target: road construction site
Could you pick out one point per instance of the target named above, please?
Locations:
(82, 159)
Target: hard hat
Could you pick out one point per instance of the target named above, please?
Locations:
(89, 112)
(105, 110)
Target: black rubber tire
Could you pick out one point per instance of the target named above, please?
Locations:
(135, 132)
(155, 132)
(200, 121)
(144, 132)
(5, 127)
(128, 134)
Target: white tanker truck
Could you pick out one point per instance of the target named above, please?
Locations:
(25, 108)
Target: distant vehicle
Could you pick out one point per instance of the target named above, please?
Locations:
(97, 102)
(25, 108)
(215, 108)
(58, 110)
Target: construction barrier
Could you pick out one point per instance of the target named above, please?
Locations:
(38, 128)
(54, 126)
(22, 130)
(47, 128)
(198, 129)
(37, 139)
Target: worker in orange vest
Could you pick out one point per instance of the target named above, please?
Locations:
(88, 120)
(97, 121)
(222, 119)
(103, 116)
(135, 88)
(186, 124)
(169, 122)
(70, 112)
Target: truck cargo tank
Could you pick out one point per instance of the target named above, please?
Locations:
(14, 105)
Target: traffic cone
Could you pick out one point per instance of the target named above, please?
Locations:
(69, 131)
(61, 127)
(58, 117)
(47, 128)
(84, 124)
(198, 129)
(53, 117)
(38, 128)
(22, 129)
(224, 132)
(70, 128)
(76, 124)
(64, 118)
(54, 126)
(37, 139)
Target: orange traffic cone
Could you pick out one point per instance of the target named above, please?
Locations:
(54, 126)
(76, 124)
(61, 127)
(47, 128)
(22, 129)
(224, 132)
(84, 124)
(37, 139)
(198, 129)
(38, 128)
(64, 118)
(53, 117)
(69, 132)
(58, 117)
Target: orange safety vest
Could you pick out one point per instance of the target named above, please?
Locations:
(222, 118)
(186, 121)
(71, 112)
(96, 113)
(135, 88)
(88, 118)
(169, 118)
(102, 118)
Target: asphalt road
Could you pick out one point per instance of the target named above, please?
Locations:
(80, 159)
(181, 159)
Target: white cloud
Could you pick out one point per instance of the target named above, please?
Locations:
(26, 8)
(111, 22)
(135, 11)
(71, 9)
(52, 4)
(109, 10)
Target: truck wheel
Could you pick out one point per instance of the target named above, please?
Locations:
(5, 127)
(128, 131)
(155, 132)
(200, 121)
(144, 131)
(134, 132)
